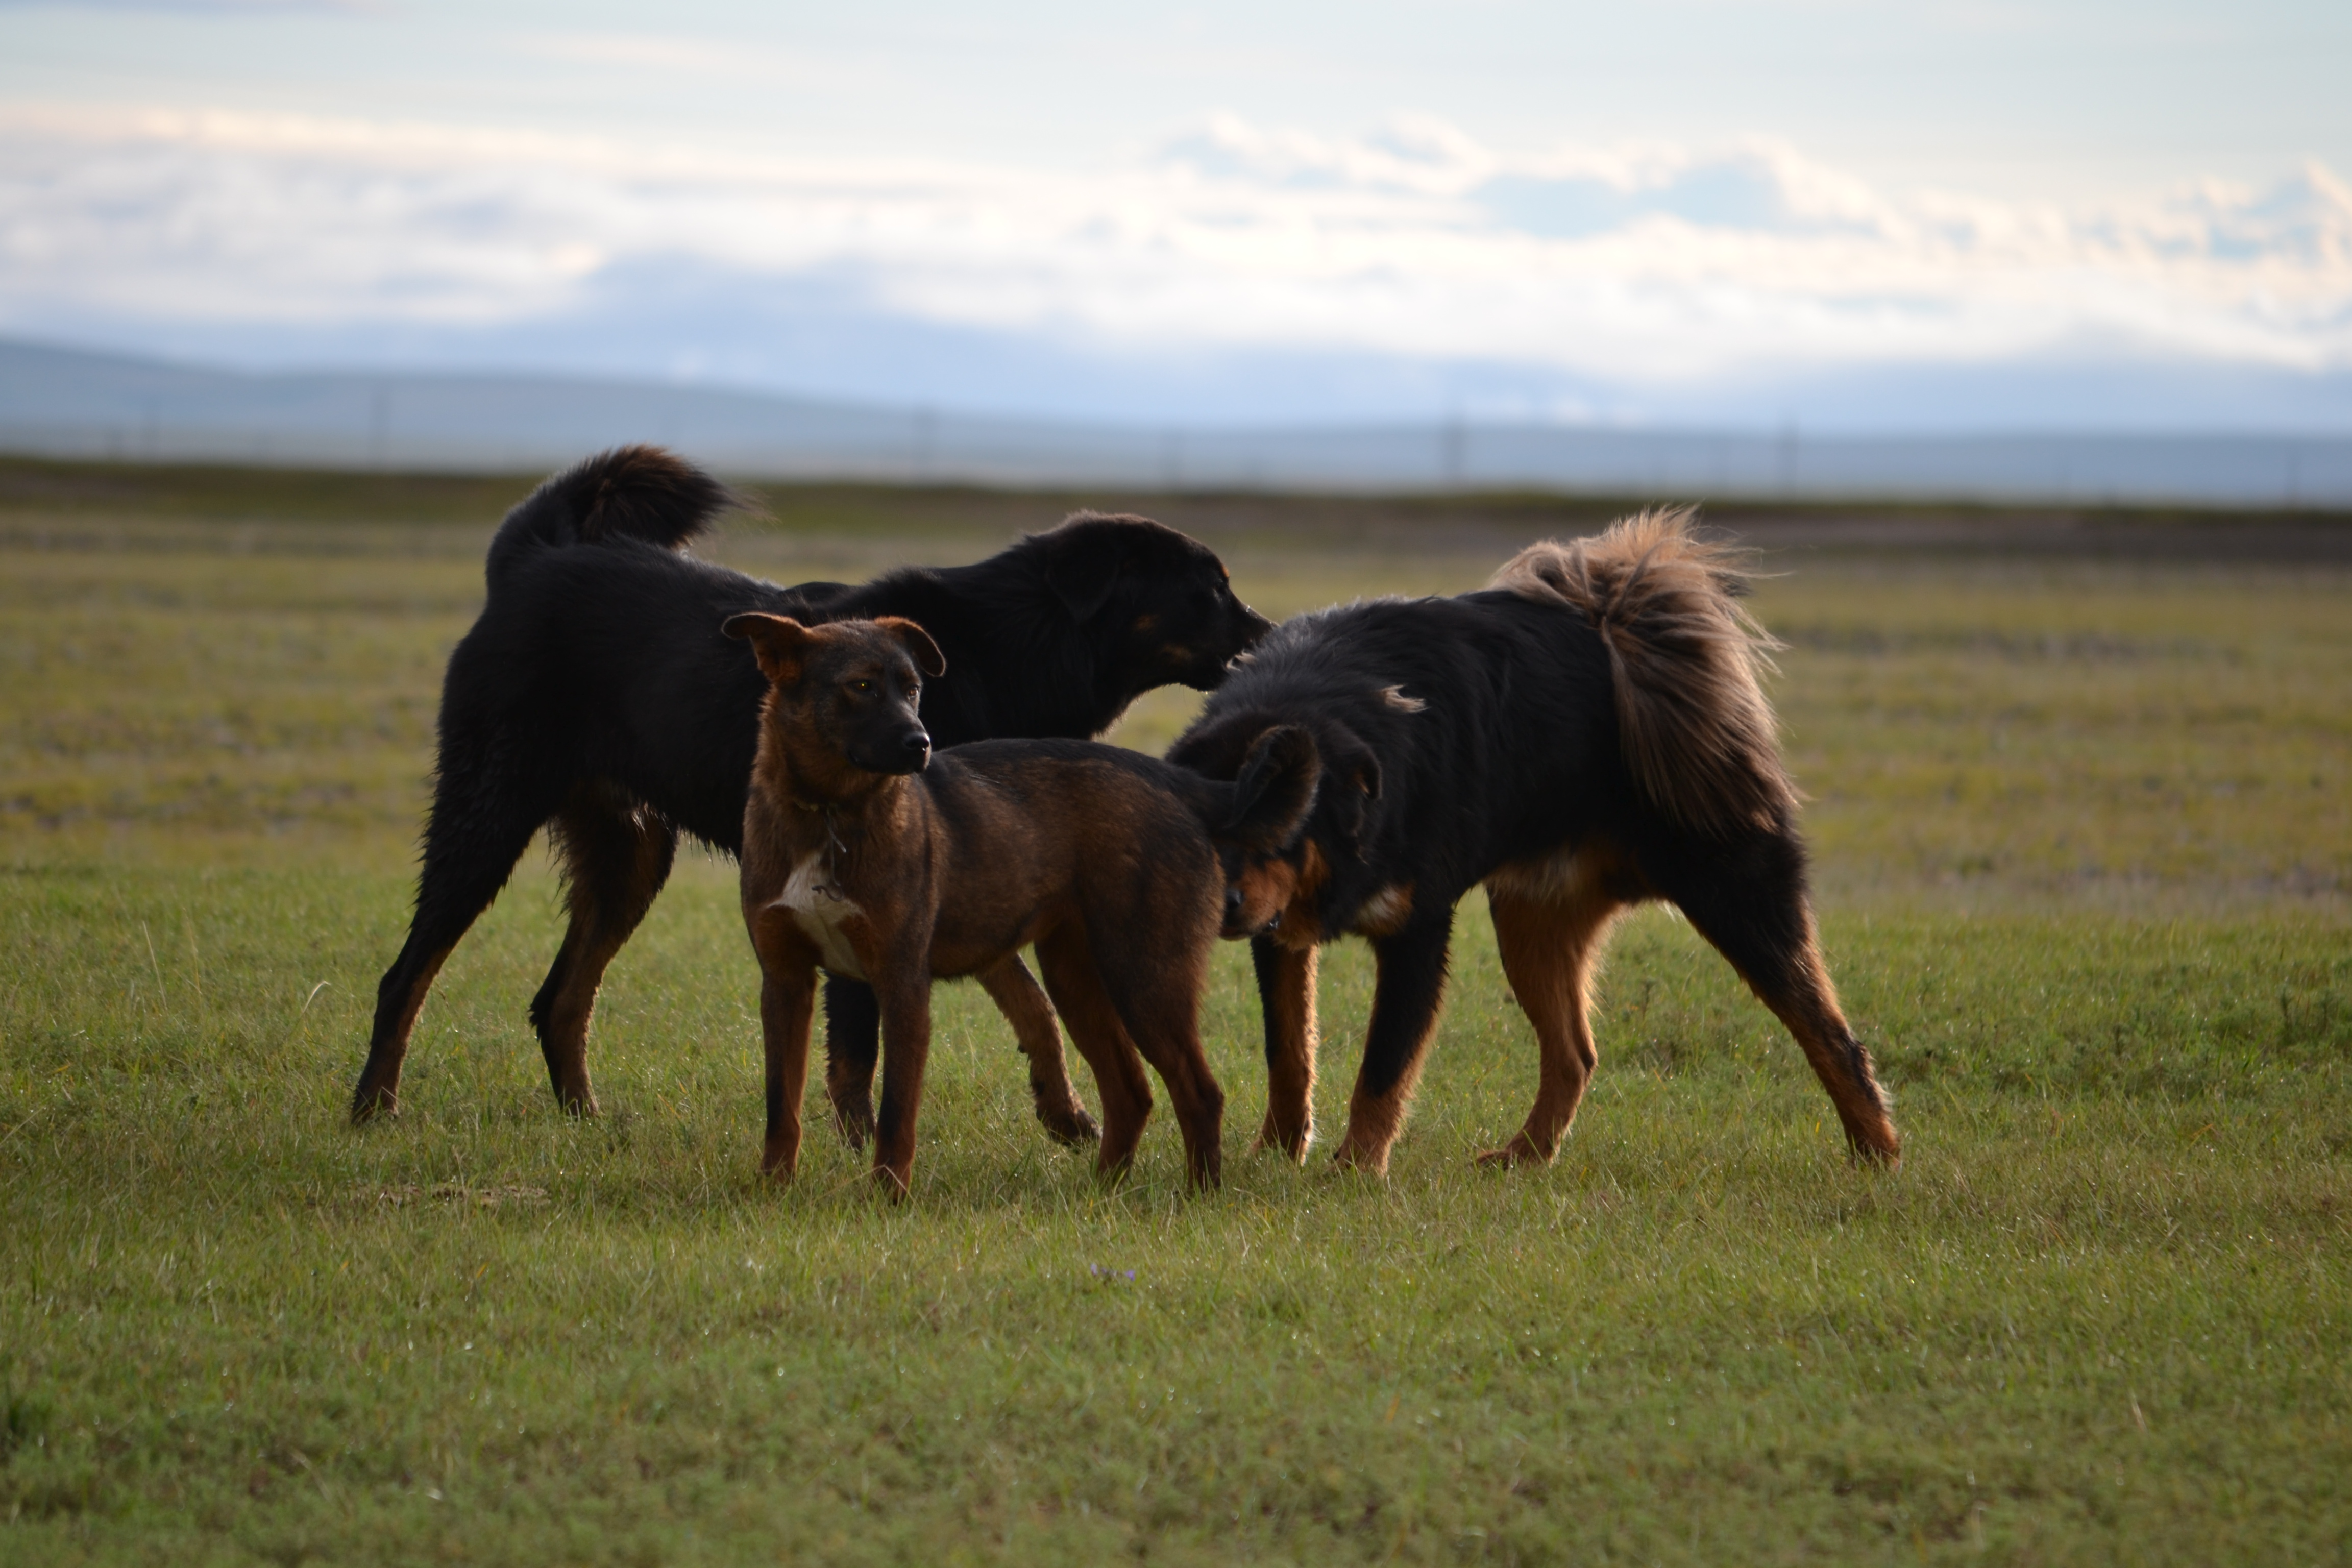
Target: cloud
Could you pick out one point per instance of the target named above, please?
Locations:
(202, 7)
(1656, 266)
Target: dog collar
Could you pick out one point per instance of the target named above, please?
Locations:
(835, 851)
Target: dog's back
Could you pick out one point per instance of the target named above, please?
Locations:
(598, 655)
(1454, 734)
(1121, 840)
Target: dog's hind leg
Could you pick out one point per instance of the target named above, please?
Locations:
(1406, 997)
(1286, 991)
(1549, 947)
(471, 845)
(1159, 1001)
(1014, 991)
(1751, 905)
(1120, 1082)
(616, 853)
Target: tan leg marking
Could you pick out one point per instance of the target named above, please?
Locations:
(1289, 1125)
(586, 956)
(1812, 1014)
(379, 1092)
(1549, 951)
(614, 864)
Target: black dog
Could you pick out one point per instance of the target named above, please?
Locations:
(1586, 734)
(596, 696)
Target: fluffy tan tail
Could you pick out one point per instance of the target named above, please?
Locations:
(1698, 735)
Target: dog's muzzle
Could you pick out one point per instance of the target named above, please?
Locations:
(1236, 926)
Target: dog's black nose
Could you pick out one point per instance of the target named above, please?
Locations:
(1233, 902)
(919, 744)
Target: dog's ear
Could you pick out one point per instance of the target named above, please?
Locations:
(927, 655)
(779, 643)
(1220, 750)
(1353, 775)
(1083, 563)
(1275, 790)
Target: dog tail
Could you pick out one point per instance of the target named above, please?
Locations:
(1686, 659)
(629, 493)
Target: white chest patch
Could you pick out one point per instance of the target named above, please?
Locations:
(821, 911)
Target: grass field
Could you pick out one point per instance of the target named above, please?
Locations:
(2084, 828)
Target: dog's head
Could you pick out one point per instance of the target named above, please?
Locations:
(1160, 604)
(844, 693)
(1275, 881)
(1258, 841)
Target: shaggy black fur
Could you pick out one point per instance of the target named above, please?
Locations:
(1515, 738)
(1475, 738)
(596, 696)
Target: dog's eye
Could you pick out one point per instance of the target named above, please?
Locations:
(863, 688)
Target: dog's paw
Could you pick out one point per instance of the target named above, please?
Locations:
(1518, 1152)
(1072, 1128)
(1289, 1143)
(854, 1123)
(1361, 1159)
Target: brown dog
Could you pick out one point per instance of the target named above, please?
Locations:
(866, 856)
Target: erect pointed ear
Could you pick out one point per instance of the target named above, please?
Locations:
(926, 654)
(1276, 789)
(779, 643)
(1083, 561)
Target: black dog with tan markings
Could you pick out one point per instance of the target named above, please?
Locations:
(867, 856)
(1585, 734)
(596, 697)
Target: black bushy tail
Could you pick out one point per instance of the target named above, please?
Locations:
(630, 492)
(1698, 735)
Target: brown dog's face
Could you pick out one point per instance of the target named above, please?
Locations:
(850, 687)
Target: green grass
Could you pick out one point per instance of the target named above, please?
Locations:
(2098, 1315)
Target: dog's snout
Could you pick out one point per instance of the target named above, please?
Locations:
(1233, 902)
(917, 745)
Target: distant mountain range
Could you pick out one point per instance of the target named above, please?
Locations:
(67, 401)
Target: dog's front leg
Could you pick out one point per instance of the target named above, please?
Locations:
(1286, 990)
(905, 992)
(787, 1004)
(1406, 996)
(853, 1045)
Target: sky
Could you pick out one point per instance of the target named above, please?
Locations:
(1749, 213)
